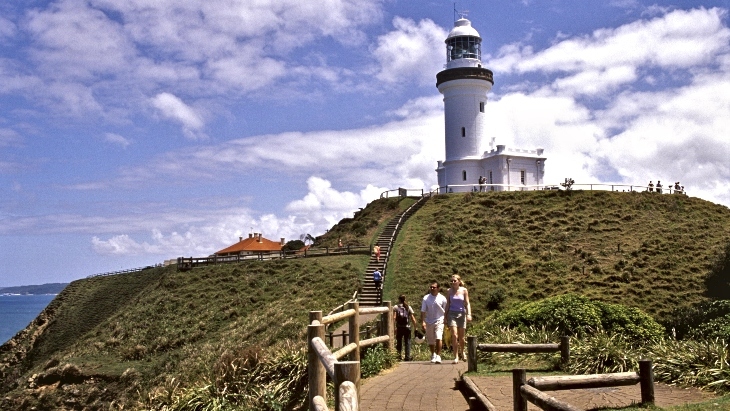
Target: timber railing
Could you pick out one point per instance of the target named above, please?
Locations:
(127, 271)
(187, 263)
(563, 347)
(321, 362)
(533, 390)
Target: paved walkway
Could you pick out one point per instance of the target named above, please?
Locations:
(499, 391)
(415, 386)
(422, 386)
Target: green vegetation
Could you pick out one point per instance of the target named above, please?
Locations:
(576, 315)
(652, 252)
(168, 334)
(537, 264)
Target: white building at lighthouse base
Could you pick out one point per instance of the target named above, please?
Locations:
(504, 169)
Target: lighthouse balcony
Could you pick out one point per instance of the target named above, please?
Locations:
(460, 73)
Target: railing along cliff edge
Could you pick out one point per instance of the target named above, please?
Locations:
(321, 362)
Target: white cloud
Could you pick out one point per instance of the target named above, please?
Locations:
(609, 57)
(170, 106)
(412, 51)
(117, 139)
(316, 212)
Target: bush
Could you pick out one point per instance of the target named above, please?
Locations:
(374, 359)
(717, 281)
(495, 298)
(577, 315)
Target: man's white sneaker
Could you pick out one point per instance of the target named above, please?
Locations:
(433, 357)
(438, 359)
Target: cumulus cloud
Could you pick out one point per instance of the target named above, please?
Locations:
(678, 40)
(170, 106)
(99, 57)
(321, 208)
(411, 51)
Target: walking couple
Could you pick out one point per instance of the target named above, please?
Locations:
(456, 310)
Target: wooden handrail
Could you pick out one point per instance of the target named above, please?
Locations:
(325, 356)
(339, 316)
(532, 390)
(322, 362)
(472, 347)
(571, 382)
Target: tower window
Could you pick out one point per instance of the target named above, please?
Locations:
(522, 177)
(490, 177)
(463, 175)
(481, 106)
(463, 131)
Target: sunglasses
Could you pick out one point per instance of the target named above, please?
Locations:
(433, 288)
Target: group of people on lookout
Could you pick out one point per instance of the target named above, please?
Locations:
(678, 189)
(437, 311)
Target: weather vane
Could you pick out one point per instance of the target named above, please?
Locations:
(462, 14)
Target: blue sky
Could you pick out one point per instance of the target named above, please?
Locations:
(140, 130)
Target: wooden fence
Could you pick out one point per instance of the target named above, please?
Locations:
(563, 347)
(533, 390)
(344, 374)
(127, 271)
(187, 263)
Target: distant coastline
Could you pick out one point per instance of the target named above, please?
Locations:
(42, 289)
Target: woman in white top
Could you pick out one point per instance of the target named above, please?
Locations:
(458, 312)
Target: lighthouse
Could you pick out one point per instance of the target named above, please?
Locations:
(465, 84)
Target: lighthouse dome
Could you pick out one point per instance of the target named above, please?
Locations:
(463, 46)
(462, 27)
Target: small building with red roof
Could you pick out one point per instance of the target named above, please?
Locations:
(254, 244)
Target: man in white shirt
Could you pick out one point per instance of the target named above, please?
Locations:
(433, 309)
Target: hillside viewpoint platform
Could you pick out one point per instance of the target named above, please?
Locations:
(422, 386)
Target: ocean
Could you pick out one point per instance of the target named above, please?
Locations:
(17, 311)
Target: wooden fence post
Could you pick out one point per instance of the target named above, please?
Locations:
(564, 350)
(355, 331)
(646, 373)
(518, 380)
(471, 346)
(389, 326)
(347, 371)
(315, 370)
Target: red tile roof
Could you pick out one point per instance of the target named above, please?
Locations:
(252, 244)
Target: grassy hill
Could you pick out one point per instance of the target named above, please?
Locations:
(139, 339)
(642, 250)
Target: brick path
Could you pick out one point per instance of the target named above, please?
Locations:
(415, 386)
(422, 386)
(499, 391)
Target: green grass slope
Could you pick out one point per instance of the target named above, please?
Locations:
(131, 333)
(642, 250)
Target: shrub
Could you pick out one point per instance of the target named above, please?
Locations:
(577, 315)
(374, 359)
(495, 298)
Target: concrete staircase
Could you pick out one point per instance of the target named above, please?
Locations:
(369, 296)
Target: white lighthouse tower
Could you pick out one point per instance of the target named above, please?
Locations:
(465, 84)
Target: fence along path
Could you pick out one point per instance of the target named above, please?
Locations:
(345, 375)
